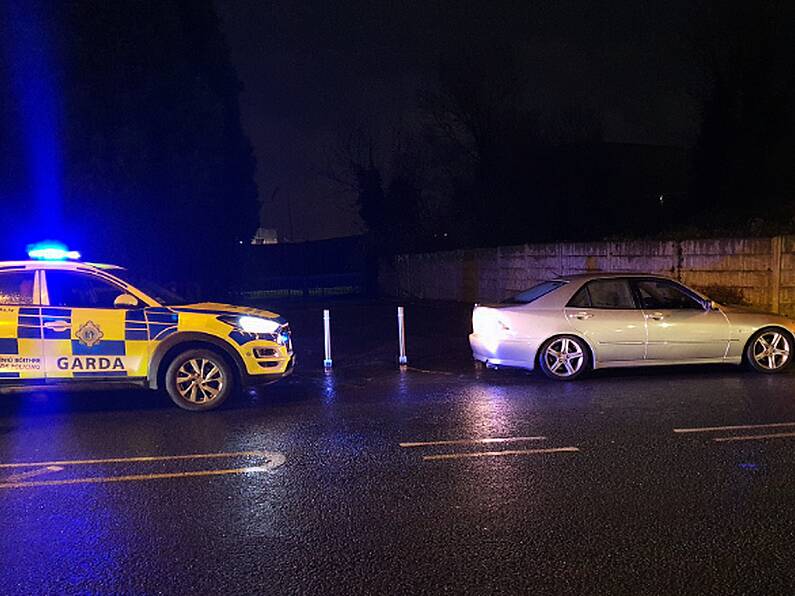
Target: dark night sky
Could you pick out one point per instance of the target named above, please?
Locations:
(313, 70)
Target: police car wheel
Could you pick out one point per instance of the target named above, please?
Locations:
(199, 380)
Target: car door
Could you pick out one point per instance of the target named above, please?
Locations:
(680, 328)
(604, 311)
(20, 325)
(84, 332)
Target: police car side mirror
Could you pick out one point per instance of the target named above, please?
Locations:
(125, 301)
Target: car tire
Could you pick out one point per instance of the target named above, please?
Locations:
(769, 351)
(199, 380)
(564, 358)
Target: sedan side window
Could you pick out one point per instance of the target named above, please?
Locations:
(78, 290)
(581, 299)
(604, 293)
(664, 295)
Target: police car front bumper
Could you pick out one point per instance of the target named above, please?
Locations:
(251, 380)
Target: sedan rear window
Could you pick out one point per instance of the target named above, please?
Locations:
(534, 293)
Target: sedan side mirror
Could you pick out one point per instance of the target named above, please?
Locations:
(125, 301)
(711, 305)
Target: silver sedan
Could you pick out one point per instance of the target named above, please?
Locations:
(571, 324)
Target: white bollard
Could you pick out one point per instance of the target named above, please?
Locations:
(327, 337)
(402, 359)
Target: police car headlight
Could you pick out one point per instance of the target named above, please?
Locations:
(258, 325)
(249, 324)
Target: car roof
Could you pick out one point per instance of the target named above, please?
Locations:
(606, 275)
(65, 265)
(103, 270)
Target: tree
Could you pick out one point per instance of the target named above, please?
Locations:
(510, 180)
(477, 124)
(742, 158)
(388, 185)
(30, 75)
(157, 172)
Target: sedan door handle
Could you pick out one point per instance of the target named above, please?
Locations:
(57, 325)
(655, 316)
(582, 315)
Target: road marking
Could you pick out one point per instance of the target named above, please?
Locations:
(471, 441)
(432, 372)
(32, 473)
(148, 458)
(707, 429)
(134, 477)
(446, 456)
(753, 437)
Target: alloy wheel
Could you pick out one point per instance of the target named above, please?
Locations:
(771, 350)
(200, 380)
(564, 357)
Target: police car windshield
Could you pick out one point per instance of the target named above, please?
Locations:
(151, 288)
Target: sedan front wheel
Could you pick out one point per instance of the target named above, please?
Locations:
(770, 351)
(564, 358)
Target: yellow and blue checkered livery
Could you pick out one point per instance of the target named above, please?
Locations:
(66, 321)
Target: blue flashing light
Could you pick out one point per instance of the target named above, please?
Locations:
(51, 251)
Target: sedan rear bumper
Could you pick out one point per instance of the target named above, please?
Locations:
(503, 352)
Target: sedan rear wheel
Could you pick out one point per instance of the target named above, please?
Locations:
(564, 358)
(770, 351)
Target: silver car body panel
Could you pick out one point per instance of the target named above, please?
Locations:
(687, 334)
(511, 334)
(617, 335)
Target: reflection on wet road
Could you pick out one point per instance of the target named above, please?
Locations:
(440, 478)
(386, 481)
(264, 462)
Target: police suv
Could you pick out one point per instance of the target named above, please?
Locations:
(65, 321)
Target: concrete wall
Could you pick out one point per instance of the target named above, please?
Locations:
(759, 271)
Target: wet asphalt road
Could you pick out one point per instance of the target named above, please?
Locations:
(636, 509)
